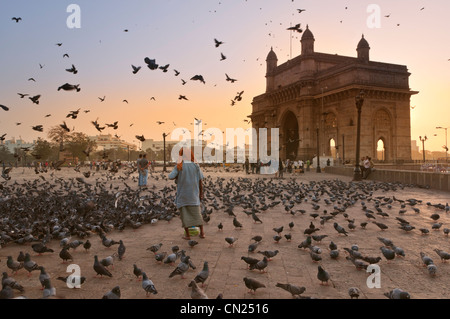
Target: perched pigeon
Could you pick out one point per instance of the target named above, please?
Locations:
(292, 289)
(253, 284)
(112, 294)
(397, 293)
(203, 274)
(147, 285)
(100, 269)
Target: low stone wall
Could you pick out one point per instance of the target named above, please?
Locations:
(432, 180)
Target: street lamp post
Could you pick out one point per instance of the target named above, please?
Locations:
(423, 145)
(164, 141)
(318, 170)
(446, 145)
(359, 101)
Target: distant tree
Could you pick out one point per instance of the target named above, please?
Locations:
(5, 154)
(78, 143)
(43, 150)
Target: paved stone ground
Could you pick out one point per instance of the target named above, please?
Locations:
(291, 265)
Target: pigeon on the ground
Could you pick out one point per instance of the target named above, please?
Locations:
(253, 284)
(113, 293)
(292, 289)
(100, 269)
(148, 285)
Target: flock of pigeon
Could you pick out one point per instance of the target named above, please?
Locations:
(54, 216)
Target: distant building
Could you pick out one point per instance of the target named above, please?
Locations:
(110, 142)
(13, 144)
(157, 146)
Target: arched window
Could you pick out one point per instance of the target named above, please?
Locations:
(381, 150)
(333, 148)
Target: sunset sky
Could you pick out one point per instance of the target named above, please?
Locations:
(181, 33)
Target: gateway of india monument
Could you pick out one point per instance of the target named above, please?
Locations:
(311, 99)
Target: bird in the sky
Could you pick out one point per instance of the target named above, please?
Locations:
(297, 28)
(238, 97)
(35, 99)
(159, 122)
(182, 97)
(151, 64)
(97, 126)
(65, 55)
(135, 69)
(183, 82)
(217, 43)
(177, 73)
(153, 98)
(140, 138)
(59, 44)
(17, 19)
(3, 107)
(38, 128)
(198, 78)
(102, 99)
(164, 68)
(125, 101)
(301, 10)
(22, 95)
(222, 57)
(230, 79)
(32, 79)
(64, 126)
(41, 66)
(48, 115)
(72, 69)
(69, 87)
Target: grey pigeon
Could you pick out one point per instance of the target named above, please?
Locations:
(9, 281)
(100, 269)
(236, 223)
(426, 260)
(260, 265)
(334, 254)
(389, 254)
(442, 254)
(253, 284)
(353, 292)
(43, 275)
(121, 250)
(159, 257)
(6, 293)
(231, 240)
(386, 241)
(340, 229)
(181, 269)
(269, 253)
(29, 264)
(113, 293)
(49, 290)
(249, 260)
(323, 275)
(292, 289)
(137, 271)
(13, 265)
(154, 248)
(432, 269)
(397, 293)
(147, 285)
(203, 274)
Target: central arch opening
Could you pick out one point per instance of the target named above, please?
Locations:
(290, 135)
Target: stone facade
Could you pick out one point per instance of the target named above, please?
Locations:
(311, 99)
